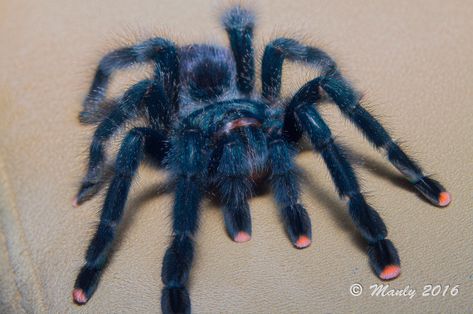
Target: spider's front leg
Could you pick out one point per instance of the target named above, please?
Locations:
(188, 161)
(243, 154)
(285, 186)
(348, 100)
(383, 255)
(234, 185)
(128, 160)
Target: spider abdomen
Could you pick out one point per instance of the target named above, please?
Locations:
(207, 72)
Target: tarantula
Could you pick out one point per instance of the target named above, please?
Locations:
(210, 129)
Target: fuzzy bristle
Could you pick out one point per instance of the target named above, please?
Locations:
(238, 17)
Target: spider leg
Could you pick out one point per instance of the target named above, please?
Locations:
(127, 108)
(239, 24)
(161, 51)
(383, 255)
(286, 191)
(235, 186)
(188, 162)
(128, 160)
(348, 100)
(283, 48)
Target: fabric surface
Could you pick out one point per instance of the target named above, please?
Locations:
(412, 59)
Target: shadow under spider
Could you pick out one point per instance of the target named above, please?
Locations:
(383, 171)
(337, 209)
(136, 203)
(386, 172)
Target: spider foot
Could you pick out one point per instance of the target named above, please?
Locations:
(75, 202)
(390, 272)
(384, 259)
(92, 183)
(87, 190)
(433, 191)
(298, 226)
(85, 285)
(96, 111)
(302, 242)
(88, 117)
(79, 297)
(238, 224)
(175, 300)
(242, 237)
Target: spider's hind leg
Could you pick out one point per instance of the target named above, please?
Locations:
(239, 24)
(128, 160)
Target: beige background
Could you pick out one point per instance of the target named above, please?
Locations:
(413, 59)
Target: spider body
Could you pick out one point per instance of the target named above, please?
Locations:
(209, 128)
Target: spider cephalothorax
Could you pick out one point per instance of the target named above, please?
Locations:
(209, 128)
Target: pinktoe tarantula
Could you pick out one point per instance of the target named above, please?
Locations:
(210, 129)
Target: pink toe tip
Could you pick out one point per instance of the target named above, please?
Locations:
(79, 296)
(390, 272)
(75, 202)
(302, 242)
(444, 199)
(242, 237)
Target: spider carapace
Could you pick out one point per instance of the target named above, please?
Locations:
(209, 128)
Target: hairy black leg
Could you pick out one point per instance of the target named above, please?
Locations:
(348, 101)
(284, 48)
(126, 109)
(286, 191)
(239, 24)
(235, 186)
(128, 160)
(161, 51)
(188, 162)
(383, 256)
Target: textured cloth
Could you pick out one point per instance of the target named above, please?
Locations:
(412, 59)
